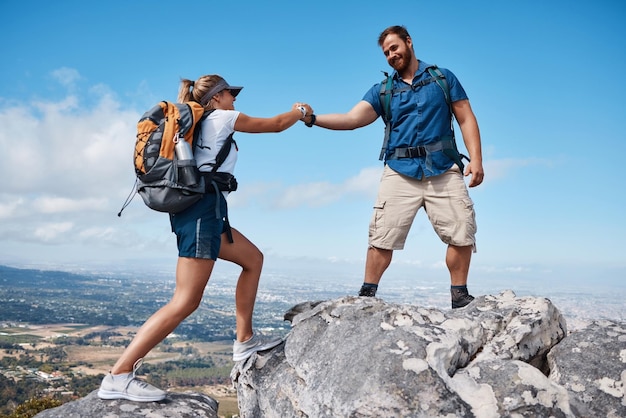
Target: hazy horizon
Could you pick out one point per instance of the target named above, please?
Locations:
(578, 302)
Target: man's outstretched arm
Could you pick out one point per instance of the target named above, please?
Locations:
(360, 115)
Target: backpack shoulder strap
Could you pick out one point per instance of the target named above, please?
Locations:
(451, 151)
(440, 79)
(198, 127)
(226, 147)
(386, 90)
(223, 152)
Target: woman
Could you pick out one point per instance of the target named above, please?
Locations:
(202, 237)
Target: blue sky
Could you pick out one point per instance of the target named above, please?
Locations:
(545, 79)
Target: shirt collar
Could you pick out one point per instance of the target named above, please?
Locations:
(421, 68)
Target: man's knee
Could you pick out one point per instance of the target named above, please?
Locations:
(382, 252)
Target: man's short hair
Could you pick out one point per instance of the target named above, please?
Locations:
(396, 30)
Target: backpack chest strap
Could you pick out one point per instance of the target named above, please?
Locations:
(388, 91)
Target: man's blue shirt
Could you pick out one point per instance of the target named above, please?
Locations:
(419, 117)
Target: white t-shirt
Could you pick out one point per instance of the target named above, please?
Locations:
(215, 130)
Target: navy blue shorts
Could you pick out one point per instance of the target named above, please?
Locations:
(199, 229)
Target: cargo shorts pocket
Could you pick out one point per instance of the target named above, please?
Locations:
(378, 218)
(458, 226)
(377, 231)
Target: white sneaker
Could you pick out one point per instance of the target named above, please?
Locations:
(127, 386)
(242, 351)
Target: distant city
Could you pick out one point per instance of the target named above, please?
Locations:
(124, 297)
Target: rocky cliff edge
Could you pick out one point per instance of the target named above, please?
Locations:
(501, 356)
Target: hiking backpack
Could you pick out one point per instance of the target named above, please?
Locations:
(387, 90)
(165, 182)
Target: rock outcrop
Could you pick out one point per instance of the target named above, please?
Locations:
(501, 356)
(176, 405)
(590, 364)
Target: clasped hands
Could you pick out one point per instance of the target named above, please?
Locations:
(304, 109)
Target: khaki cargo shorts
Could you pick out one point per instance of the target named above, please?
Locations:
(444, 198)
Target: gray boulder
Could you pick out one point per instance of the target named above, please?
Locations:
(589, 363)
(363, 357)
(176, 405)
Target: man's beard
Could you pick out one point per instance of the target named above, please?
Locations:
(402, 63)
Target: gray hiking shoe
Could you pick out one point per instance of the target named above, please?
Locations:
(242, 351)
(460, 298)
(129, 387)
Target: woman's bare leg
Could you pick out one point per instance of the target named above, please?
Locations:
(192, 275)
(245, 254)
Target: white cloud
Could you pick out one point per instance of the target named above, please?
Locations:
(499, 169)
(70, 157)
(50, 232)
(317, 194)
(248, 193)
(504, 269)
(439, 265)
(66, 76)
(408, 262)
(99, 233)
(54, 110)
(310, 194)
(64, 150)
(8, 209)
(365, 182)
(362, 185)
(61, 204)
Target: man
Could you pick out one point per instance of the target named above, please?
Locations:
(422, 165)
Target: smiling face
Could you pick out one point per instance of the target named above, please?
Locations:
(398, 52)
(225, 100)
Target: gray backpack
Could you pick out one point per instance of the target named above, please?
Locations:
(168, 179)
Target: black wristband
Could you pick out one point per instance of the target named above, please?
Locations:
(310, 124)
